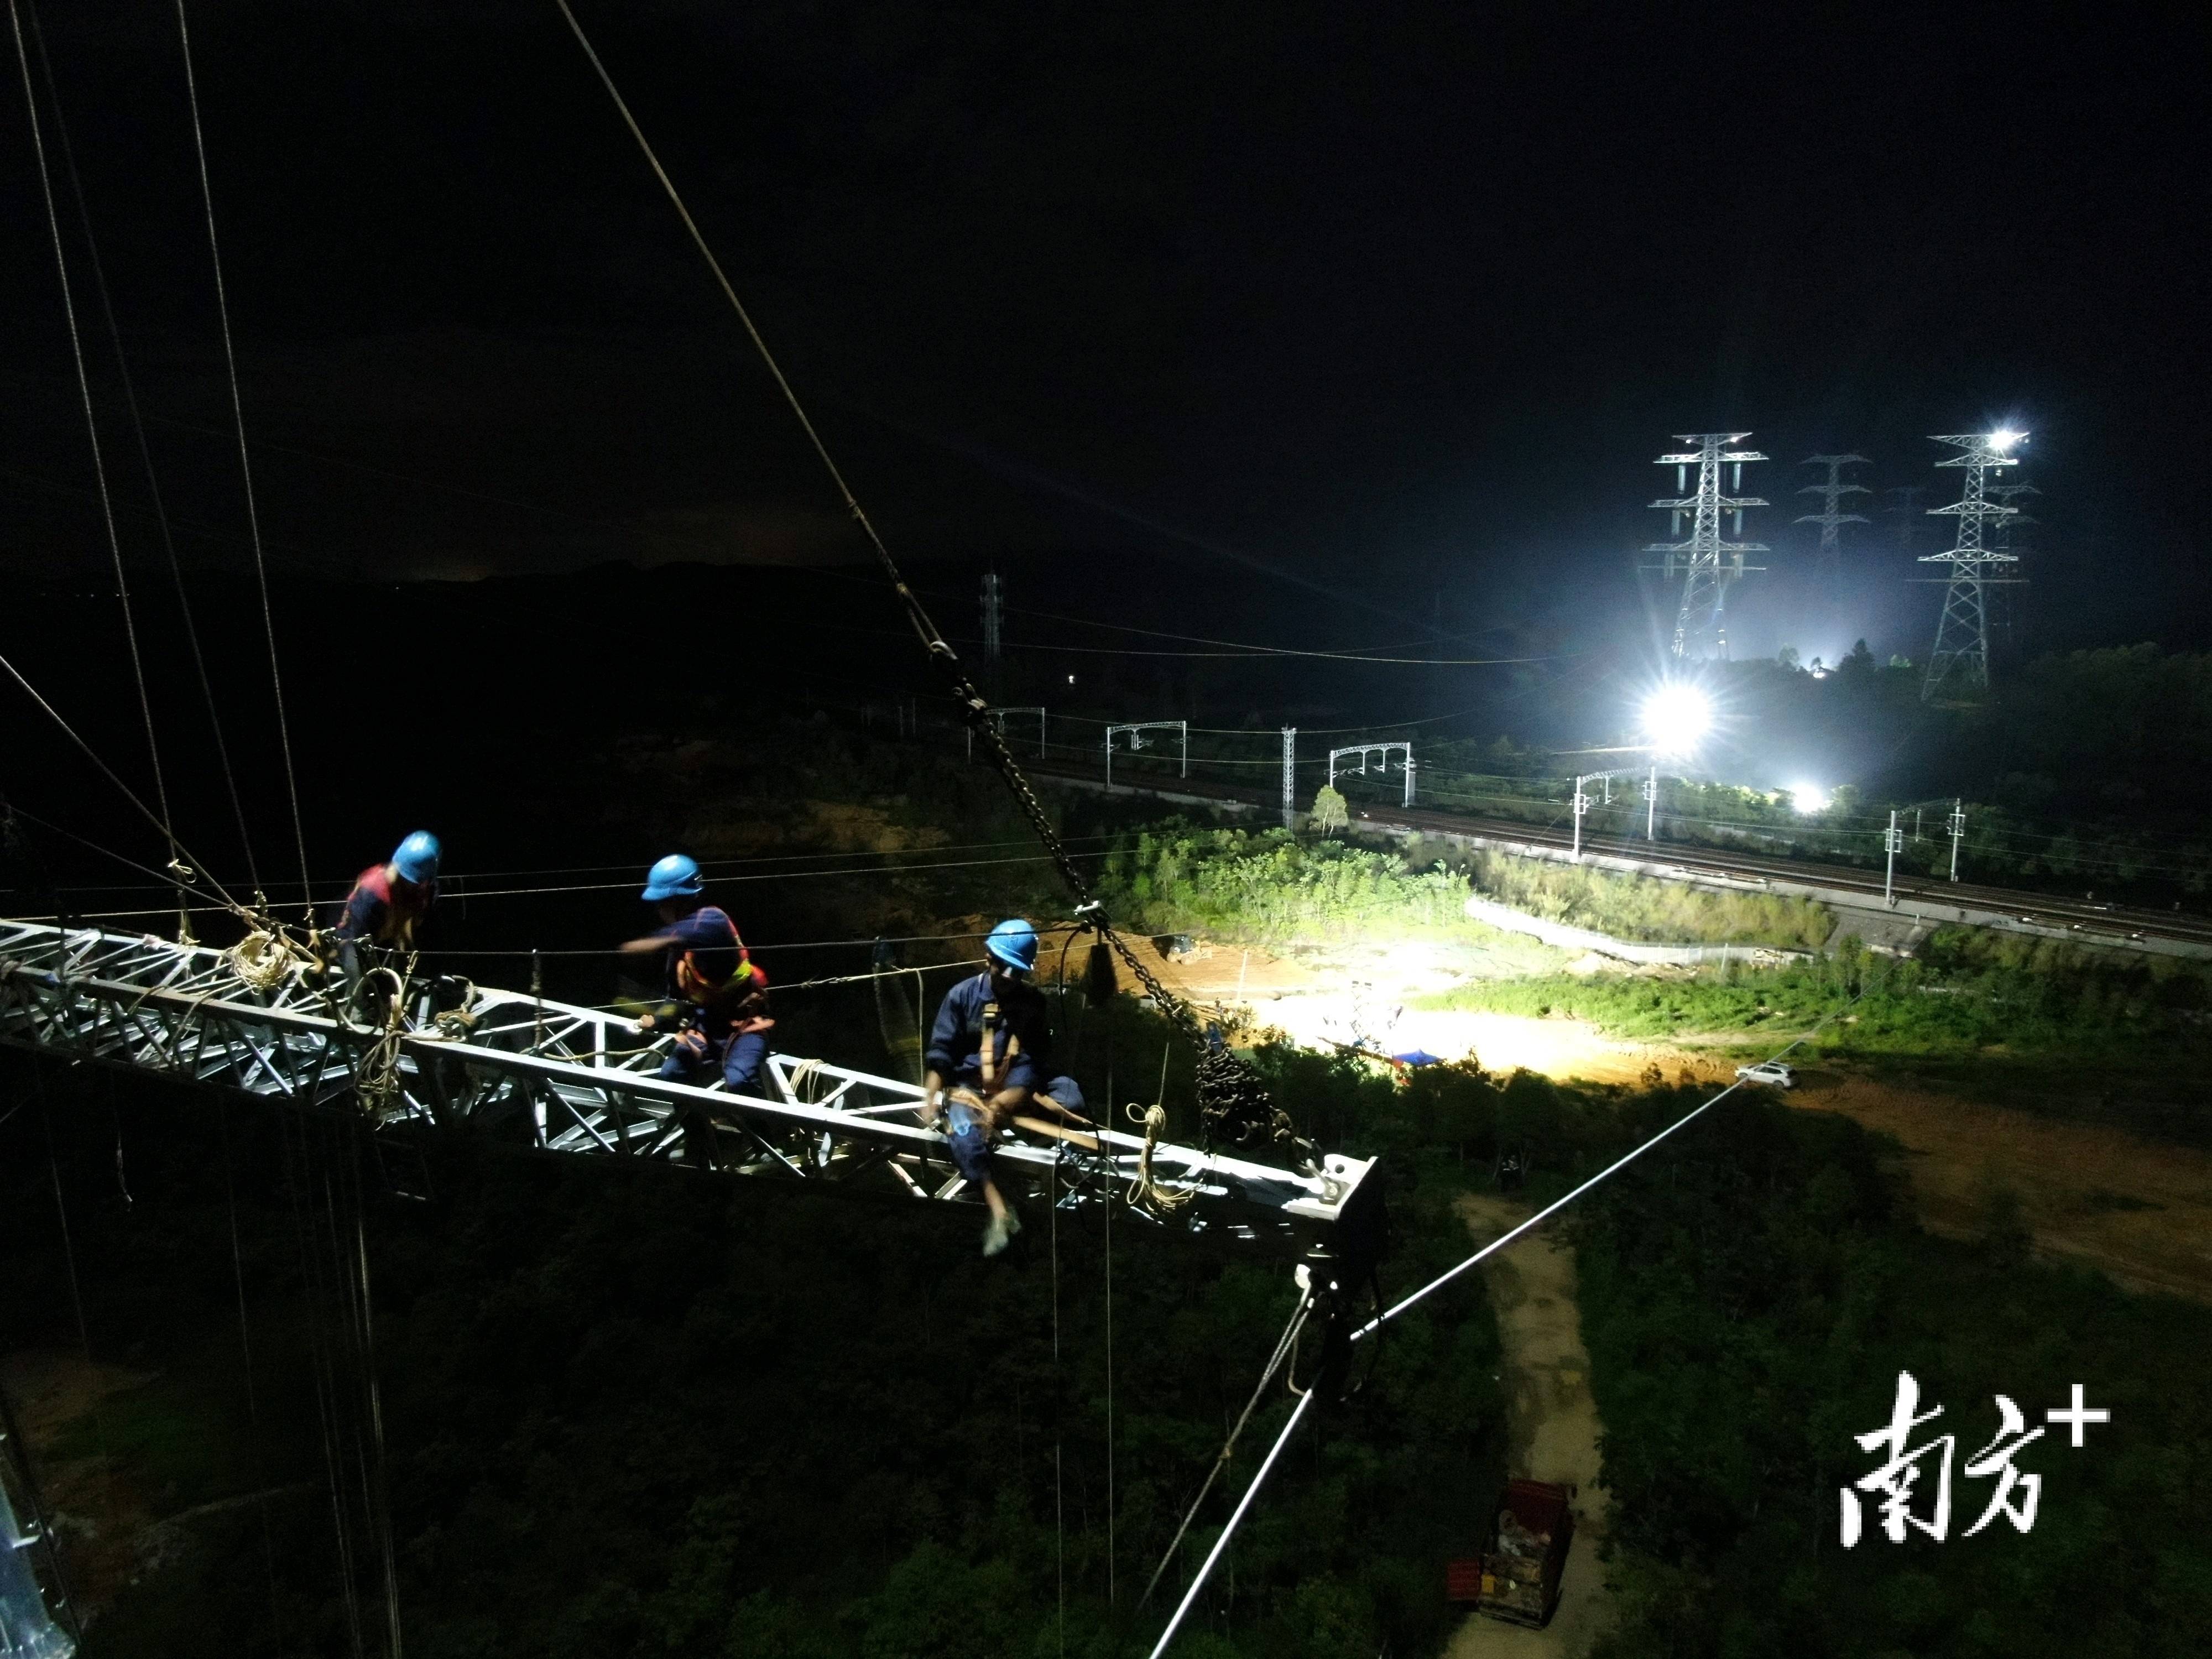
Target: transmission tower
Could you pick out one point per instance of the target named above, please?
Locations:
(1962, 635)
(1708, 563)
(1831, 521)
(993, 603)
(1907, 512)
(2003, 533)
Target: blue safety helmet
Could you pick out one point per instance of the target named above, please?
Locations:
(674, 876)
(1014, 943)
(417, 860)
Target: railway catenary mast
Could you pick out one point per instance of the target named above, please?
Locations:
(1960, 661)
(1708, 562)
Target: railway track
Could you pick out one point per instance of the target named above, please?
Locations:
(2091, 922)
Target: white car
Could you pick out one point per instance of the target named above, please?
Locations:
(1772, 1073)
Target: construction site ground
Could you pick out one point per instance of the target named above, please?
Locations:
(2092, 1194)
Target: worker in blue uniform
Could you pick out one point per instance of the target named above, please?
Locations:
(989, 1051)
(389, 903)
(716, 995)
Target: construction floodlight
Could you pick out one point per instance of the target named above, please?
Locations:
(1676, 717)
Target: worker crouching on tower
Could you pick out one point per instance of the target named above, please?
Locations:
(993, 1044)
(717, 996)
(388, 903)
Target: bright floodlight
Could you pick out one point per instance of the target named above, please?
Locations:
(2004, 437)
(1808, 798)
(1676, 717)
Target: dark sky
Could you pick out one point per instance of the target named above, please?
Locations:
(1281, 320)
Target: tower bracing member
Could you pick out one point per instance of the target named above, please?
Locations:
(388, 903)
(716, 995)
(989, 1052)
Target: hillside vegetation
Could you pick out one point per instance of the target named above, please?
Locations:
(1968, 990)
(1643, 908)
(1268, 887)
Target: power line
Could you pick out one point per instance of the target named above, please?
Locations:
(1306, 1399)
(92, 432)
(138, 429)
(245, 461)
(177, 849)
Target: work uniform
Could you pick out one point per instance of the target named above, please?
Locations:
(718, 989)
(990, 1036)
(383, 910)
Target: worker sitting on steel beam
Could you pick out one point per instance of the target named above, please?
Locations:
(388, 903)
(717, 995)
(992, 1042)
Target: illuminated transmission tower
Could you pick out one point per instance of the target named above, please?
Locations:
(1708, 564)
(1831, 570)
(1962, 636)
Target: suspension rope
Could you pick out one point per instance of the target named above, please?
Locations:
(98, 464)
(138, 429)
(245, 461)
(1232, 1099)
(1059, 1490)
(1443, 1279)
(12, 810)
(1284, 1345)
(177, 849)
(245, 1350)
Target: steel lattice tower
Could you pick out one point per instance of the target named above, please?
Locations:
(2003, 533)
(1962, 635)
(1709, 564)
(1905, 512)
(1831, 557)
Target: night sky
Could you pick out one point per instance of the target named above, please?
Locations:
(1298, 323)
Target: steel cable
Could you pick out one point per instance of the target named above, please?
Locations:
(1230, 1093)
(99, 461)
(138, 429)
(245, 461)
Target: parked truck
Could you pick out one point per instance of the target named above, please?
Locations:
(1517, 1576)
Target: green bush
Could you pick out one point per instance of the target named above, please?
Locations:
(1269, 887)
(1642, 908)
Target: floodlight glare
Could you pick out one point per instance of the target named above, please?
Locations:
(1676, 717)
(1808, 798)
(2004, 437)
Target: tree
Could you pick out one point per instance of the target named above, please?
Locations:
(1330, 812)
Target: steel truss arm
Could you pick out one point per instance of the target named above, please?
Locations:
(584, 1078)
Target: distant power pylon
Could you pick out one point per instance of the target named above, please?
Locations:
(2003, 533)
(1709, 565)
(1907, 512)
(1831, 557)
(1962, 635)
(993, 606)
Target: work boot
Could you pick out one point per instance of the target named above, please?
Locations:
(996, 1233)
(1013, 1222)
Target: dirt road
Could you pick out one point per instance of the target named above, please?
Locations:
(1552, 1424)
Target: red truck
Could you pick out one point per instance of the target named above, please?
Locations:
(1517, 1577)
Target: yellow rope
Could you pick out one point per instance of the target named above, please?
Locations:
(1145, 1192)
